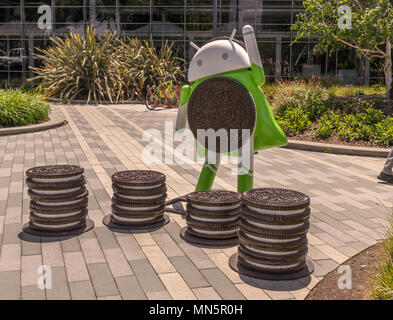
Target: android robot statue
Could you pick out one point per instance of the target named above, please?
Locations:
(230, 76)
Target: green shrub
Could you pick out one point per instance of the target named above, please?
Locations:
(18, 108)
(383, 132)
(144, 64)
(294, 121)
(104, 68)
(311, 96)
(327, 125)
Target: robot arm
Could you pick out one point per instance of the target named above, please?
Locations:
(253, 54)
(182, 112)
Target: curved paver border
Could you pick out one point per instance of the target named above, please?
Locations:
(52, 123)
(337, 149)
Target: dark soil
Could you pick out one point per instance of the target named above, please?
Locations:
(363, 266)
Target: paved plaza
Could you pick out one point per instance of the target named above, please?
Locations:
(349, 207)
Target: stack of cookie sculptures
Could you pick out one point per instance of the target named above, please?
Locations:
(59, 198)
(138, 202)
(273, 235)
(212, 218)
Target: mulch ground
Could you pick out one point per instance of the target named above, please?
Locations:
(363, 267)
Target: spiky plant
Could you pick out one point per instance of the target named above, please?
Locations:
(145, 64)
(82, 66)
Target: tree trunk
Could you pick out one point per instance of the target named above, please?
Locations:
(388, 68)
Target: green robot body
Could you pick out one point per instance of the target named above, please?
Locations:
(250, 75)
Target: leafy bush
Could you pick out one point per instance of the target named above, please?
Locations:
(104, 68)
(327, 125)
(311, 96)
(81, 66)
(294, 121)
(383, 132)
(18, 108)
(144, 64)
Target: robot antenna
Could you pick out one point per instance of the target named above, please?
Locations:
(232, 35)
(194, 46)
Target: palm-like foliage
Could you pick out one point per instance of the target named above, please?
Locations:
(81, 66)
(104, 68)
(144, 64)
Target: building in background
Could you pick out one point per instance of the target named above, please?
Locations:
(181, 21)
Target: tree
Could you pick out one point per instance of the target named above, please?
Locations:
(363, 25)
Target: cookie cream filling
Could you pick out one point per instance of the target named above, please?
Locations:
(275, 227)
(214, 232)
(267, 266)
(55, 180)
(138, 188)
(212, 219)
(141, 197)
(138, 208)
(280, 212)
(51, 192)
(133, 219)
(57, 215)
(267, 240)
(220, 208)
(66, 203)
(280, 253)
(56, 226)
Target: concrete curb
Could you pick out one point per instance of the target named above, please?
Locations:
(52, 123)
(337, 149)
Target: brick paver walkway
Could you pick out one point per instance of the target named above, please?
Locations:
(349, 208)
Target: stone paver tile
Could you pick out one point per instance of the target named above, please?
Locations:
(10, 257)
(222, 284)
(197, 256)
(11, 233)
(315, 254)
(174, 231)
(252, 293)
(31, 245)
(206, 293)
(106, 238)
(159, 295)
(32, 293)
(144, 239)
(52, 254)
(158, 259)
(103, 282)
(166, 243)
(70, 245)
(82, 290)
(10, 285)
(117, 262)
(176, 286)
(131, 248)
(130, 289)
(92, 250)
(221, 261)
(96, 216)
(60, 289)
(189, 272)
(75, 266)
(314, 239)
(13, 215)
(1, 223)
(332, 253)
(30, 265)
(116, 297)
(146, 276)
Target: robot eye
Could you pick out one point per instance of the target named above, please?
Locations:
(199, 62)
(225, 56)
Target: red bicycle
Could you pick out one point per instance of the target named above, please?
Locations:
(165, 95)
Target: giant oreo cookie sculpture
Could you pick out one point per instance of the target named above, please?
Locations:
(58, 205)
(212, 218)
(273, 235)
(138, 202)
